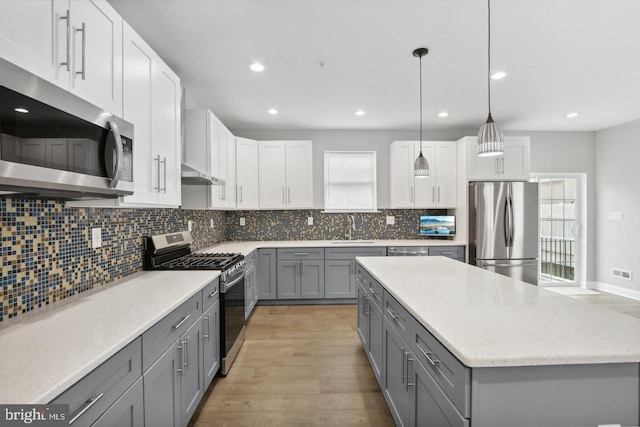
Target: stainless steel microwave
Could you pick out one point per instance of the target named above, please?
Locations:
(55, 144)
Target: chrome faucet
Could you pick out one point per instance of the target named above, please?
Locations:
(351, 227)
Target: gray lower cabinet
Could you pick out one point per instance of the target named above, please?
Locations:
(211, 343)
(340, 270)
(251, 286)
(89, 398)
(174, 384)
(363, 318)
(300, 273)
(266, 274)
(395, 388)
(370, 324)
(127, 411)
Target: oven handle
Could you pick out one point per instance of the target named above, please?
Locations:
(227, 286)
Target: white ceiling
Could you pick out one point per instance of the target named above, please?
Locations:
(560, 56)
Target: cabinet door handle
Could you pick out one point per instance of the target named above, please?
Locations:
(83, 71)
(495, 164)
(165, 175)
(288, 194)
(184, 319)
(157, 159)
(206, 322)
(181, 348)
(241, 195)
(404, 372)
(88, 404)
(438, 194)
(411, 193)
(503, 165)
(408, 359)
(283, 201)
(366, 301)
(67, 17)
(186, 350)
(433, 194)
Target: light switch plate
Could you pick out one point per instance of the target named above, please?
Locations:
(242, 222)
(615, 216)
(310, 220)
(391, 220)
(190, 225)
(96, 237)
(211, 223)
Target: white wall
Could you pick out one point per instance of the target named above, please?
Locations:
(617, 178)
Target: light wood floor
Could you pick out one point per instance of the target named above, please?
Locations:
(299, 366)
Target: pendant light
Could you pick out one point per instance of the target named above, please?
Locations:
(421, 165)
(490, 138)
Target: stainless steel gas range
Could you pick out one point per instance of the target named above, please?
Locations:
(172, 251)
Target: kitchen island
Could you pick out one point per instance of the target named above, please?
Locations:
(452, 344)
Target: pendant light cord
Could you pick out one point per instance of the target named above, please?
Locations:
(489, 54)
(421, 105)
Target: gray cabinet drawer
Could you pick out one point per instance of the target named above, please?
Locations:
(451, 375)
(164, 333)
(210, 294)
(398, 316)
(352, 253)
(456, 252)
(300, 254)
(90, 397)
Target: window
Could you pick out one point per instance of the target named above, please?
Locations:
(350, 181)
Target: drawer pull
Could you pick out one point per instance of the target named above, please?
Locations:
(393, 314)
(374, 292)
(184, 319)
(300, 253)
(426, 354)
(89, 404)
(213, 294)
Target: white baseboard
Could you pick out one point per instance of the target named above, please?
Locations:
(612, 289)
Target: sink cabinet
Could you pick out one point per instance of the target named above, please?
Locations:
(300, 273)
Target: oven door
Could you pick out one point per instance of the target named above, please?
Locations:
(232, 312)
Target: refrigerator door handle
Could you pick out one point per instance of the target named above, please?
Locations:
(508, 265)
(507, 222)
(511, 222)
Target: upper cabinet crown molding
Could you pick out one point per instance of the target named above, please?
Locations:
(438, 190)
(76, 45)
(513, 165)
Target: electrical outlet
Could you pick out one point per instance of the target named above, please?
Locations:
(615, 216)
(190, 225)
(391, 220)
(96, 238)
(310, 220)
(211, 223)
(242, 222)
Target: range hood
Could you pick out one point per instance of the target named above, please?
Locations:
(192, 176)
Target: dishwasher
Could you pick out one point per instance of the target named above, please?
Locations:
(408, 251)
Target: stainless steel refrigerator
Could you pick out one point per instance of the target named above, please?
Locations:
(503, 228)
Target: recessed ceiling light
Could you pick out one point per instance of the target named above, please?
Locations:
(272, 111)
(443, 114)
(360, 113)
(21, 110)
(498, 75)
(256, 66)
(571, 115)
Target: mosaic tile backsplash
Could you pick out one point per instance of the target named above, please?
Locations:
(46, 253)
(47, 256)
(292, 225)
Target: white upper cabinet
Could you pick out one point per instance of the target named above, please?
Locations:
(286, 174)
(512, 166)
(76, 45)
(247, 173)
(438, 190)
(210, 148)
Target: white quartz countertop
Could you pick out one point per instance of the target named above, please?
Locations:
(489, 320)
(246, 247)
(46, 352)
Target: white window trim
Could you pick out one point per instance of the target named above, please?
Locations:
(374, 182)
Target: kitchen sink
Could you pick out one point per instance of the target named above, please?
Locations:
(351, 242)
